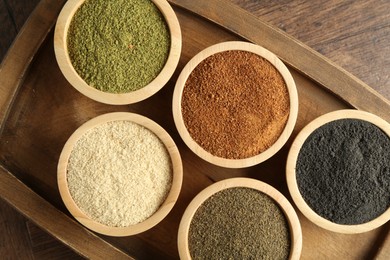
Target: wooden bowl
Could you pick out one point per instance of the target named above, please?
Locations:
(64, 62)
(164, 209)
(291, 171)
(281, 201)
(177, 104)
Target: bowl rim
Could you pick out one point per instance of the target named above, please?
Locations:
(65, 65)
(166, 206)
(238, 46)
(238, 182)
(291, 171)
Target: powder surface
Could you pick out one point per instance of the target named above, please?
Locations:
(239, 223)
(118, 46)
(343, 171)
(235, 104)
(119, 173)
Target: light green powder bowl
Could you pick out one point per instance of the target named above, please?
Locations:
(118, 46)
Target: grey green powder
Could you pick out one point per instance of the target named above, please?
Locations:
(118, 46)
(239, 223)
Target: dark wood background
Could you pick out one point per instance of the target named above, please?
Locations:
(355, 34)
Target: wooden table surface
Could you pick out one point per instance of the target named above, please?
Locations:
(355, 34)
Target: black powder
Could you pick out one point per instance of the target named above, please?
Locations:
(343, 171)
(239, 223)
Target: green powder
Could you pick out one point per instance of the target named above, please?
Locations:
(118, 46)
(239, 223)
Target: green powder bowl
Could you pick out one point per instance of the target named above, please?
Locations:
(117, 52)
(239, 218)
(338, 171)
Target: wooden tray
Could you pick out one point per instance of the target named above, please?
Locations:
(39, 110)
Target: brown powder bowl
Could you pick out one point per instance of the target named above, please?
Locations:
(235, 104)
(223, 215)
(140, 177)
(338, 171)
(126, 97)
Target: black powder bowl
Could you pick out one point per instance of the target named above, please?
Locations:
(338, 171)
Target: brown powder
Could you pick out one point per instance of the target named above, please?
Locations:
(235, 104)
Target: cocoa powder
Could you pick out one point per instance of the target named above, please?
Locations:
(235, 104)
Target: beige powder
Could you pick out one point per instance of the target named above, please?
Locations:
(119, 173)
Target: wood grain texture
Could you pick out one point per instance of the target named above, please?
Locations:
(383, 252)
(17, 242)
(19, 11)
(353, 34)
(306, 18)
(14, 240)
(45, 246)
(30, 38)
(7, 30)
(13, 14)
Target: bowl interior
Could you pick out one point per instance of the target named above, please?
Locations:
(291, 173)
(178, 94)
(64, 62)
(281, 201)
(171, 197)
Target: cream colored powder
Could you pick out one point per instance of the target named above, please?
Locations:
(119, 173)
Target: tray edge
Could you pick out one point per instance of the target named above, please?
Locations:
(16, 63)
